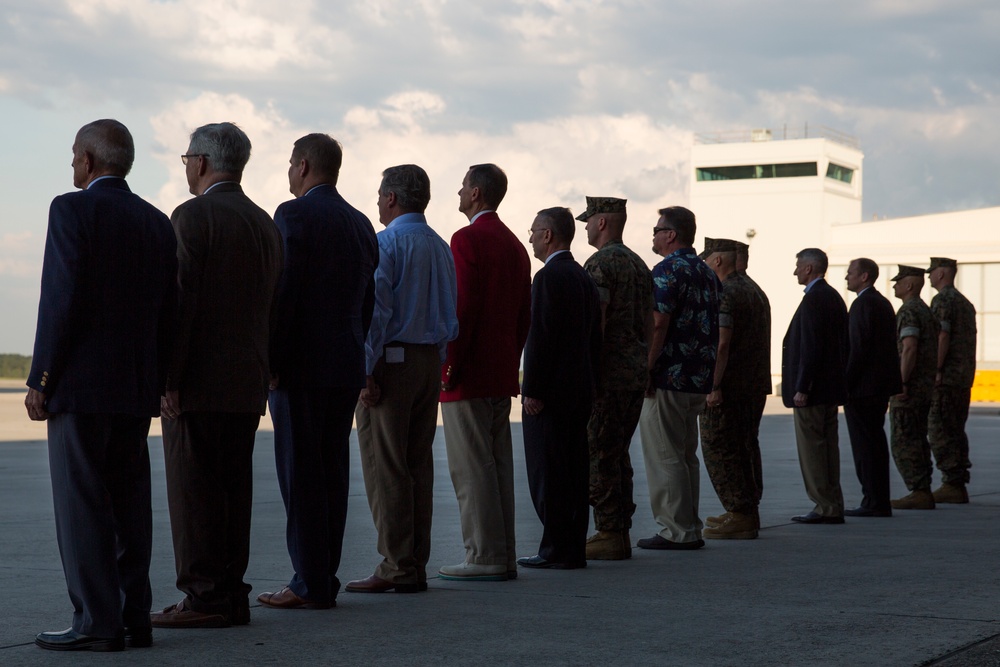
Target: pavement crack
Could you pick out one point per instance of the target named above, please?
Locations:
(961, 649)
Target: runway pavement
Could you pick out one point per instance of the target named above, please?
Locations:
(921, 588)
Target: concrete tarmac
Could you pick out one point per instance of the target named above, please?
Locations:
(921, 588)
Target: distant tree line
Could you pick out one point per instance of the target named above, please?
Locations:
(14, 366)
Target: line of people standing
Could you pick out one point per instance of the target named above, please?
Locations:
(206, 318)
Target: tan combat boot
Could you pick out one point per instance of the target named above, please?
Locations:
(736, 527)
(918, 500)
(951, 494)
(609, 545)
(715, 521)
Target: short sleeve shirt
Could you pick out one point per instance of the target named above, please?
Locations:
(625, 284)
(687, 290)
(742, 310)
(957, 316)
(914, 319)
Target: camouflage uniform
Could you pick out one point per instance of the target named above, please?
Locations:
(908, 419)
(625, 285)
(950, 401)
(728, 430)
(762, 386)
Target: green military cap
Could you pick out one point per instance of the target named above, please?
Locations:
(743, 248)
(708, 248)
(937, 262)
(907, 271)
(717, 245)
(597, 205)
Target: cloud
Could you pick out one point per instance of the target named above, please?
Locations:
(20, 255)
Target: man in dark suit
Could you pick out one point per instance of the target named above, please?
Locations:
(872, 377)
(324, 308)
(104, 323)
(813, 357)
(229, 261)
(479, 377)
(561, 361)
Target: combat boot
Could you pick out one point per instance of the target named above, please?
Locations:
(918, 500)
(736, 527)
(951, 494)
(716, 521)
(609, 545)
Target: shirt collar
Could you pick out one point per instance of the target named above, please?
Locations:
(811, 283)
(214, 185)
(101, 178)
(476, 216)
(557, 252)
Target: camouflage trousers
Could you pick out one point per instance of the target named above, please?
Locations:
(946, 428)
(613, 419)
(908, 441)
(727, 447)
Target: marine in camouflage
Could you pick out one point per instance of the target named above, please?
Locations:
(625, 288)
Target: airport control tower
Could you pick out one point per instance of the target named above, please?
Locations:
(779, 191)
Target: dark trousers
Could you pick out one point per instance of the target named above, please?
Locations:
(866, 426)
(759, 402)
(209, 465)
(558, 461)
(101, 493)
(312, 432)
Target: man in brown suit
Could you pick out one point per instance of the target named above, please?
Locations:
(229, 260)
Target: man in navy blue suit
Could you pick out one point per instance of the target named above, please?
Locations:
(105, 320)
(813, 384)
(324, 308)
(561, 363)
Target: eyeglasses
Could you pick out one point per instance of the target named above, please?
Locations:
(184, 158)
(657, 230)
(532, 230)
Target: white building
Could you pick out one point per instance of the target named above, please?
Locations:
(782, 193)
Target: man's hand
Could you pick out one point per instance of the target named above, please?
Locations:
(170, 405)
(800, 399)
(532, 406)
(34, 402)
(371, 394)
(714, 399)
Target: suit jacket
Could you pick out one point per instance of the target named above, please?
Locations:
(814, 352)
(493, 273)
(873, 362)
(229, 261)
(563, 351)
(107, 304)
(326, 294)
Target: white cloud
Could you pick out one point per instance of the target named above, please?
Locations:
(20, 255)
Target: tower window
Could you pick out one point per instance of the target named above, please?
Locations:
(785, 170)
(839, 173)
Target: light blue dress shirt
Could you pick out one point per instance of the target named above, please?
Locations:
(415, 290)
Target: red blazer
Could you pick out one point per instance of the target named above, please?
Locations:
(494, 311)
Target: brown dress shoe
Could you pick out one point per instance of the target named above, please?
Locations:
(287, 599)
(376, 584)
(179, 616)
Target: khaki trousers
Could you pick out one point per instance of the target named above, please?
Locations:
(819, 457)
(396, 438)
(668, 426)
(481, 463)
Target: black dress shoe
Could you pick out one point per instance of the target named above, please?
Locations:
(138, 637)
(663, 544)
(71, 640)
(538, 562)
(864, 511)
(812, 517)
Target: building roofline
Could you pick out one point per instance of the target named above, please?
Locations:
(784, 133)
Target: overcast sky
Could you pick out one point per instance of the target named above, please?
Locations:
(570, 97)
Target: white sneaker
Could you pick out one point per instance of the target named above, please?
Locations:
(473, 572)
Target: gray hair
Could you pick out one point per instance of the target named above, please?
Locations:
(226, 146)
(561, 222)
(110, 143)
(816, 258)
(411, 186)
